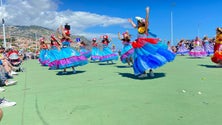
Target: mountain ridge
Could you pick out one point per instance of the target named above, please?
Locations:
(33, 33)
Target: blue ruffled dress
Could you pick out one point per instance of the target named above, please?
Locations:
(107, 54)
(96, 53)
(68, 57)
(44, 57)
(54, 54)
(83, 51)
(149, 53)
(126, 52)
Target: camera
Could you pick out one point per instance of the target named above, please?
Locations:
(67, 26)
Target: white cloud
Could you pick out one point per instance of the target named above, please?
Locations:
(97, 35)
(44, 13)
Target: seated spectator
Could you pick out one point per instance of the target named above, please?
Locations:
(5, 63)
(3, 78)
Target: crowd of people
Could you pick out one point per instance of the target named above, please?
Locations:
(195, 48)
(10, 64)
(198, 48)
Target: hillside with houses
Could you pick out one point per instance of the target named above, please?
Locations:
(27, 37)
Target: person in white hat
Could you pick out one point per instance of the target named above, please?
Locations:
(149, 53)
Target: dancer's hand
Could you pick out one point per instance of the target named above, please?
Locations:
(130, 20)
(147, 18)
(147, 10)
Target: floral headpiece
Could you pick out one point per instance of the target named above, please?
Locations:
(105, 37)
(42, 40)
(94, 39)
(67, 32)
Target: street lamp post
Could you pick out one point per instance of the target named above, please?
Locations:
(3, 27)
(36, 42)
(171, 23)
(171, 27)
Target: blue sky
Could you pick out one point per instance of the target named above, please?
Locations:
(92, 18)
(190, 17)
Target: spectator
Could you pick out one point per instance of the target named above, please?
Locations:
(3, 78)
(5, 63)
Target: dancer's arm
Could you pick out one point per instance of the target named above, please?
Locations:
(58, 34)
(132, 23)
(119, 36)
(147, 19)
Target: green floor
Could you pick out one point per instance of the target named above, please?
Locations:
(185, 92)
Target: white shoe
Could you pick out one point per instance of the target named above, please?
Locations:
(10, 75)
(10, 82)
(142, 76)
(5, 103)
(13, 73)
(151, 73)
(74, 71)
(2, 89)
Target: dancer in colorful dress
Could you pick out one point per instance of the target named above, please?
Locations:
(107, 54)
(95, 52)
(83, 51)
(198, 49)
(43, 56)
(169, 47)
(217, 57)
(54, 53)
(69, 57)
(208, 46)
(127, 50)
(148, 52)
(113, 48)
(182, 49)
